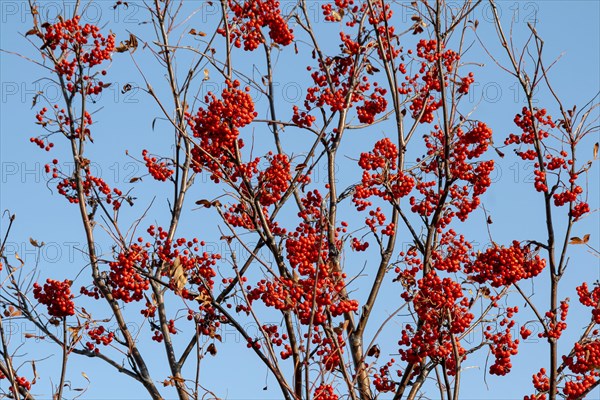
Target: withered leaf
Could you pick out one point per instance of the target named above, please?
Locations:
(19, 259)
(129, 44)
(203, 298)
(32, 336)
(196, 33)
(176, 379)
(341, 328)
(578, 240)
(75, 335)
(121, 48)
(178, 275)
(35, 243)
(596, 150)
(11, 312)
(204, 203)
(212, 349)
(227, 238)
(35, 99)
(374, 351)
(371, 69)
(35, 374)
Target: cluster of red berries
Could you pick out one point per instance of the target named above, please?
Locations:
(159, 170)
(126, 283)
(444, 310)
(56, 296)
(530, 124)
(302, 119)
(469, 177)
(380, 15)
(241, 215)
(584, 362)
(217, 126)
(42, 143)
(325, 392)
(502, 266)
(556, 325)
(67, 186)
(81, 48)
(332, 87)
(541, 383)
(586, 357)
(407, 275)
(357, 245)
(590, 299)
(502, 347)
(250, 16)
(373, 105)
(426, 83)
(197, 267)
(99, 336)
(382, 380)
(376, 218)
(385, 183)
(341, 7)
(272, 332)
(525, 332)
(94, 292)
(21, 381)
(91, 186)
(440, 302)
(316, 291)
(329, 350)
(547, 160)
(157, 336)
(452, 253)
(274, 181)
(575, 389)
(466, 83)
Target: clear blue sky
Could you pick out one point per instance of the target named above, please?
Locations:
(570, 29)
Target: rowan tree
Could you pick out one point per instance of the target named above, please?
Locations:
(354, 217)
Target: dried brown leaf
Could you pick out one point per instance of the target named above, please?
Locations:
(374, 351)
(578, 240)
(35, 243)
(204, 202)
(212, 349)
(178, 275)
